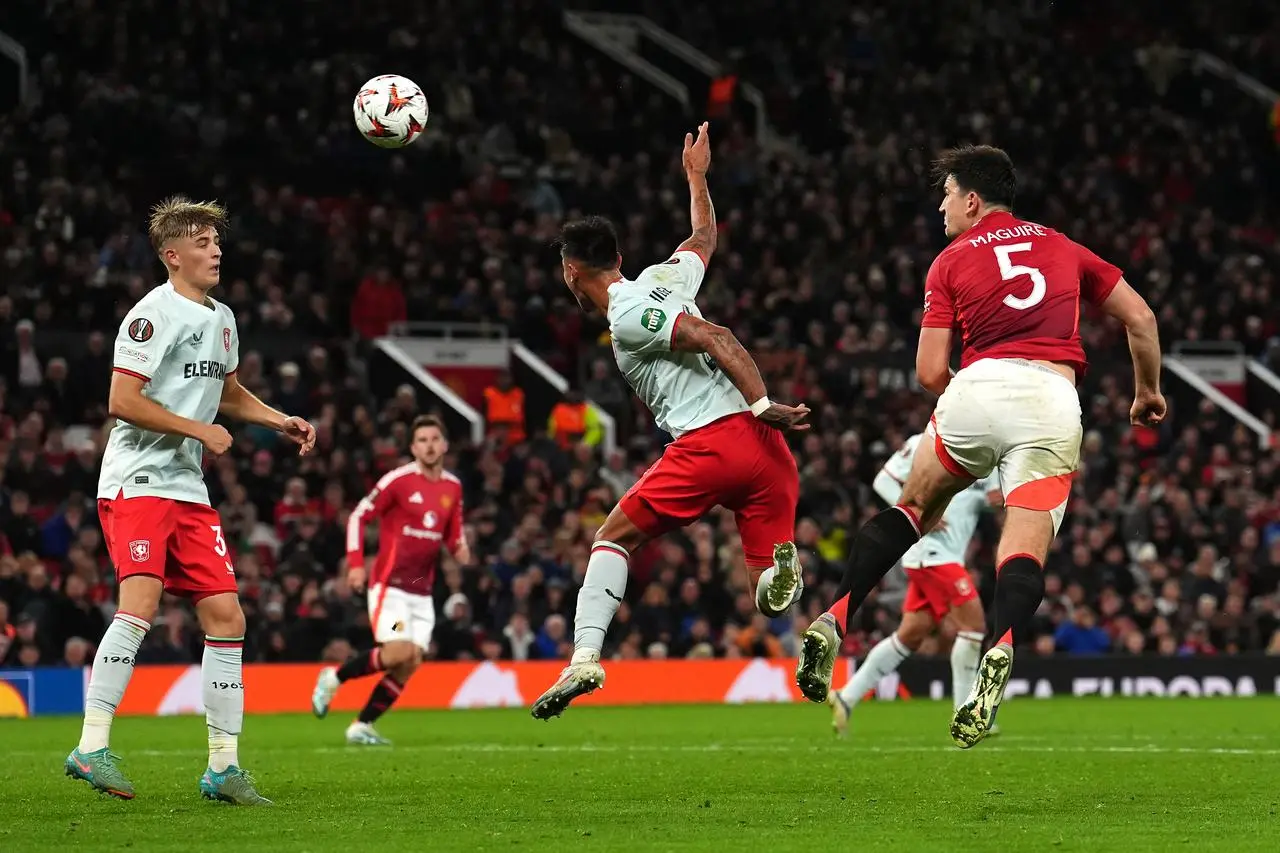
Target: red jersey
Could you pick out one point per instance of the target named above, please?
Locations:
(1014, 288)
(418, 515)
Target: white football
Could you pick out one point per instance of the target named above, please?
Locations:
(390, 111)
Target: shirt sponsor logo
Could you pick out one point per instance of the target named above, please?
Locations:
(140, 550)
(653, 319)
(141, 330)
(204, 369)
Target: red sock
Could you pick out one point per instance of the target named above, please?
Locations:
(840, 612)
(1006, 638)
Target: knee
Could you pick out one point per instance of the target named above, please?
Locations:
(221, 616)
(400, 653)
(619, 530)
(911, 636)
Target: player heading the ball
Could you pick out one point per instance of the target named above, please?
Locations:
(704, 389)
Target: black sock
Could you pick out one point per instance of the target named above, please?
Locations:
(362, 663)
(384, 695)
(878, 546)
(1019, 591)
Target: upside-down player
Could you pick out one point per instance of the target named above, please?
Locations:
(1014, 289)
(175, 362)
(703, 389)
(937, 585)
(419, 509)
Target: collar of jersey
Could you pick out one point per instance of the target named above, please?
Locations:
(173, 293)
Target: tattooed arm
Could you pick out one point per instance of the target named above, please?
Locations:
(697, 159)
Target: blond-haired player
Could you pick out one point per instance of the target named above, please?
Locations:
(175, 361)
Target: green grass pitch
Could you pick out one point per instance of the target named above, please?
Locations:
(1067, 775)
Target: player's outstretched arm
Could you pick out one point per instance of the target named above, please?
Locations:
(126, 402)
(1139, 320)
(242, 404)
(693, 334)
(697, 159)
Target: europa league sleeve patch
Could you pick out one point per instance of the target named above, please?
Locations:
(141, 330)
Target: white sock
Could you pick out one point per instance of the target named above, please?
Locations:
(887, 656)
(112, 669)
(222, 669)
(602, 591)
(966, 652)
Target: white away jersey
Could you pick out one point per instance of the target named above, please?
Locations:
(950, 543)
(184, 351)
(684, 390)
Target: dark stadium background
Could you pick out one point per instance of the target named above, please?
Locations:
(1123, 138)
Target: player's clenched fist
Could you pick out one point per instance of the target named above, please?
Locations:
(786, 418)
(216, 439)
(356, 578)
(1148, 408)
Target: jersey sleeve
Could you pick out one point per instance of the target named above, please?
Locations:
(1097, 277)
(939, 302)
(233, 343)
(145, 337)
(889, 482)
(682, 273)
(453, 526)
(373, 505)
(644, 325)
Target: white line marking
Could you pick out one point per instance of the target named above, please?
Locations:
(761, 747)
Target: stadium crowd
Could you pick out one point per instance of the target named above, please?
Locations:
(1172, 544)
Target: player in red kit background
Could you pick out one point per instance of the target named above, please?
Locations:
(1013, 290)
(419, 511)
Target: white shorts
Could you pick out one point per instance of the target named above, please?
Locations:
(398, 615)
(1020, 417)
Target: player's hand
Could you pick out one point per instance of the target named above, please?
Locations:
(300, 433)
(463, 554)
(216, 439)
(786, 418)
(356, 578)
(697, 154)
(1149, 408)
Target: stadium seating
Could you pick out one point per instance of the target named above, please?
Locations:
(818, 272)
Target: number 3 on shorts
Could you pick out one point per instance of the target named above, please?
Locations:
(219, 544)
(1010, 271)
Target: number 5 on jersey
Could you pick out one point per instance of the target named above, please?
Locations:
(1009, 271)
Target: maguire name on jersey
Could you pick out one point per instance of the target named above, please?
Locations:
(683, 390)
(184, 352)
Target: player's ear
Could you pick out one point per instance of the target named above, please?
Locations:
(619, 260)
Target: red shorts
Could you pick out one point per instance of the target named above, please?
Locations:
(180, 543)
(736, 462)
(938, 589)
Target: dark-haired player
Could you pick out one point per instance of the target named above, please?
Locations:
(1013, 289)
(704, 389)
(419, 510)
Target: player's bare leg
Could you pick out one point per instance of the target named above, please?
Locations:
(92, 759)
(1024, 545)
(878, 546)
(222, 672)
(598, 600)
(401, 659)
(884, 658)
